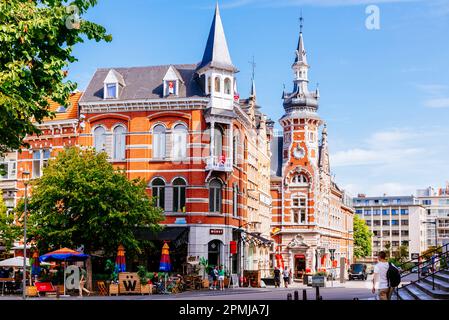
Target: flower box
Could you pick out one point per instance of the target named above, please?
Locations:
(146, 289)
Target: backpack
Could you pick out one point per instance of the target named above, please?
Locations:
(393, 276)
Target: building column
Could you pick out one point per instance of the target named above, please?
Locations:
(212, 139)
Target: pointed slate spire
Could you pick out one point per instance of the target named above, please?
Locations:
(216, 53)
(253, 89)
(300, 50)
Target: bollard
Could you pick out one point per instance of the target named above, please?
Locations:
(289, 296)
(321, 297)
(304, 294)
(356, 298)
(296, 295)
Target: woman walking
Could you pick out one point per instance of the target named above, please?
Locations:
(221, 275)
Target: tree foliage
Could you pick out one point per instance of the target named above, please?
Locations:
(82, 200)
(10, 231)
(36, 42)
(362, 238)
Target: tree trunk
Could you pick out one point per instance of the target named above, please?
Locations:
(89, 274)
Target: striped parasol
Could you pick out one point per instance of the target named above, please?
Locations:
(165, 264)
(120, 263)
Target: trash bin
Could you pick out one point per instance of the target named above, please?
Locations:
(308, 280)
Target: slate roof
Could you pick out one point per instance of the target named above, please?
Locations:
(276, 156)
(216, 54)
(144, 83)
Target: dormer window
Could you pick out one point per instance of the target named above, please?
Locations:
(171, 87)
(111, 91)
(61, 109)
(113, 84)
(172, 82)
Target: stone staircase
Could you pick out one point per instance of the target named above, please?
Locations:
(422, 290)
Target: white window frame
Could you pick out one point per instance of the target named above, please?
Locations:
(299, 209)
(106, 92)
(159, 142)
(180, 135)
(103, 148)
(119, 141)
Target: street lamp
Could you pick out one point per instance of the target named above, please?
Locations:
(25, 175)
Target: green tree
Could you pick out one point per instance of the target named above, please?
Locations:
(37, 38)
(9, 230)
(82, 200)
(362, 238)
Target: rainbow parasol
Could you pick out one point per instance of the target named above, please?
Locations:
(120, 264)
(165, 264)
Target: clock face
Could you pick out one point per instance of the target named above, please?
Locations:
(299, 152)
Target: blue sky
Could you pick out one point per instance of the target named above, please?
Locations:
(384, 93)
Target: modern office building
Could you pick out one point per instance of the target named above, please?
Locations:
(394, 221)
(436, 204)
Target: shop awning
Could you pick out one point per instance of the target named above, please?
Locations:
(255, 238)
(176, 235)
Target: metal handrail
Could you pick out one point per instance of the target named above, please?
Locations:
(420, 257)
(446, 267)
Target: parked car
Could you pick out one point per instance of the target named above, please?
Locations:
(357, 271)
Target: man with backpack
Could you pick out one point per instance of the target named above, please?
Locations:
(386, 275)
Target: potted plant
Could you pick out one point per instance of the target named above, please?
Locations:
(113, 277)
(145, 283)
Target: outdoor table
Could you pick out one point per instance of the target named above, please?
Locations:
(4, 281)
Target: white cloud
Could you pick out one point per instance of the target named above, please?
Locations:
(396, 161)
(437, 103)
(433, 89)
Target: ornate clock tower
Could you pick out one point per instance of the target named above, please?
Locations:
(300, 165)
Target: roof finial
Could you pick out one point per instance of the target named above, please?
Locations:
(253, 66)
(301, 20)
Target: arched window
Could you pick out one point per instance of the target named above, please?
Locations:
(180, 141)
(300, 179)
(215, 196)
(227, 86)
(119, 142)
(158, 192)
(209, 85)
(299, 208)
(179, 195)
(159, 142)
(217, 84)
(99, 139)
(235, 147)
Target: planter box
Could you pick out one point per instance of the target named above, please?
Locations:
(205, 283)
(226, 282)
(32, 291)
(146, 289)
(113, 289)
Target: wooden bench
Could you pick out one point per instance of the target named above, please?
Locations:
(46, 288)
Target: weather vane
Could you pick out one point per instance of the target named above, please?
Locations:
(301, 22)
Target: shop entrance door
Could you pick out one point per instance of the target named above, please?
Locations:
(214, 253)
(300, 265)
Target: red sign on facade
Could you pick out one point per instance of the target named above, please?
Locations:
(233, 247)
(216, 231)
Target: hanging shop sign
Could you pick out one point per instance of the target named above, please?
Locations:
(215, 231)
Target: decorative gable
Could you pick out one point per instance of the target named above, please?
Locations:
(172, 81)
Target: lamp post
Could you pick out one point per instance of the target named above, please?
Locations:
(25, 175)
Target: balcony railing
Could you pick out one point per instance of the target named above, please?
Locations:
(218, 164)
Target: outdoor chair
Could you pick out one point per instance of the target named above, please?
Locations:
(102, 290)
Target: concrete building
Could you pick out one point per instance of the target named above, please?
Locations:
(436, 204)
(394, 221)
(310, 219)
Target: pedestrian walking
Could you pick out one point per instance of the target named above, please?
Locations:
(286, 276)
(221, 276)
(277, 277)
(386, 277)
(214, 278)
